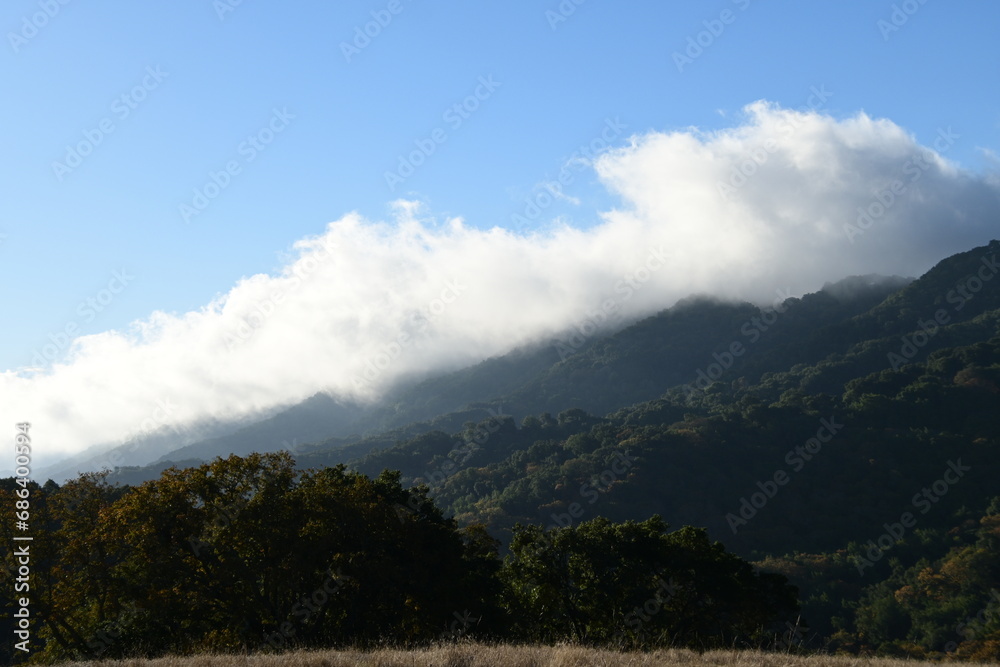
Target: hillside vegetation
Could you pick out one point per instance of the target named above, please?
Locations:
(821, 475)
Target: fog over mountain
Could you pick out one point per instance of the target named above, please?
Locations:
(775, 206)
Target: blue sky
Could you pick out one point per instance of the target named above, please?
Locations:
(560, 74)
(352, 119)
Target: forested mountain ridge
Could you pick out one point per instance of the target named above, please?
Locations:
(813, 345)
(601, 371)
(890, 434)
(605, 370)
(848, 440)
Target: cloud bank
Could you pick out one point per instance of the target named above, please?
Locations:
(780, 203)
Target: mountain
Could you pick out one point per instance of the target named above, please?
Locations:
(320, 418)
(599, 372)
(847, 440)
(143, 448)
(317, 418)
(814, 345)
(703, 387)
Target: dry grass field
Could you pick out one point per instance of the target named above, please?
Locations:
(482, 655)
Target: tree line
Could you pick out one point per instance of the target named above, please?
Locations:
(252, 554)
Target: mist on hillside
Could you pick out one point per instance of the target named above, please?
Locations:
(775, 206)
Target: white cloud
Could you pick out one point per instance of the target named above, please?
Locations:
(413, 295)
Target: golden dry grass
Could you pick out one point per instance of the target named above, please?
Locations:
(483, 655)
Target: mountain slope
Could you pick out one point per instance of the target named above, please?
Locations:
(694, 455)
(600, 373)
(817, 343)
